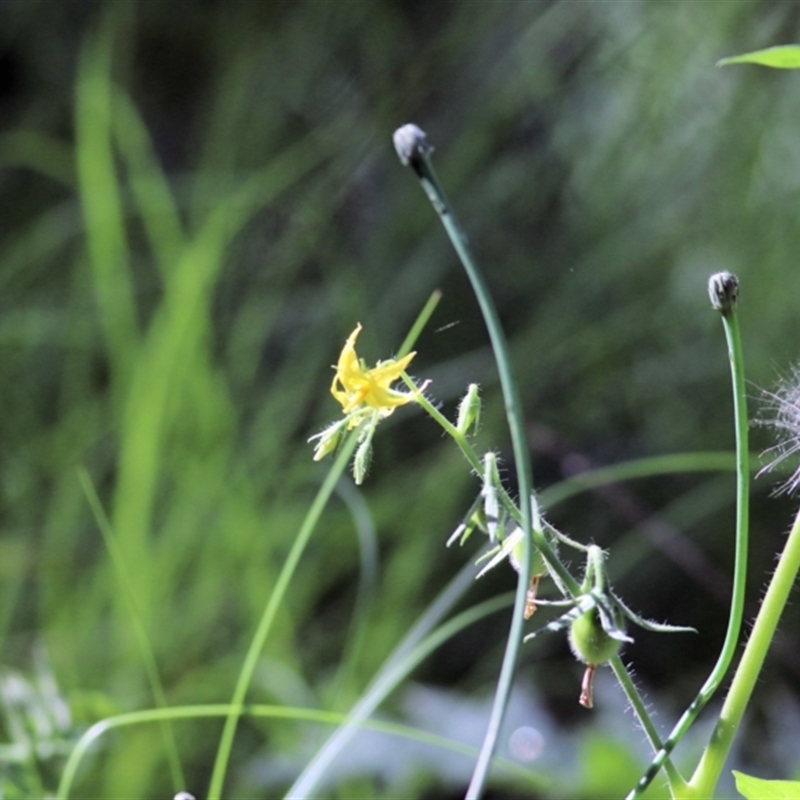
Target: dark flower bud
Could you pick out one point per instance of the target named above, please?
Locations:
(723, 290)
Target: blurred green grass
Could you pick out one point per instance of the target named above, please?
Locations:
(198, 203)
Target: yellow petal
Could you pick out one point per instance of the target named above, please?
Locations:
(353, 386)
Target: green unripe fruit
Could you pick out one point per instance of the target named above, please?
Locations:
(589, 642)
(537, 561)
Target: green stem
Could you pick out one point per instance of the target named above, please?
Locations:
(394, 671)
(676, 781)
(596, 577)
(285, 577)
(733, 337)
(145, 648)
(595, 571)
(267, 618)
(708, 770)
(425, 172)
(474, 461)
(536, 781)
(516, 425)
(415, 152)
(420, 322)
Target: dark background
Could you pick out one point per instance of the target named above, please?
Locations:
(603, 168)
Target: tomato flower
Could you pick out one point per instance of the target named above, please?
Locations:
(367, 397)
(354, 385)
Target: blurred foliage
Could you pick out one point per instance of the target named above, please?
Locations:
(200, 200)
(40, 730)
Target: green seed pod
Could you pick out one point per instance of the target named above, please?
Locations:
(589, 642)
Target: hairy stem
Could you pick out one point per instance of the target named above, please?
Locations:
(708, 770)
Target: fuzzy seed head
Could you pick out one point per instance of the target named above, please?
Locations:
(723, 291)
(783, 416)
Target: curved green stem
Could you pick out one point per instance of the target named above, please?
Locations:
(268, 616)
(708, 770)
(390, 676)
(425, 172)
(420, 322)
(298, 714)
(733, 338)
(421, 163)
(514, 416)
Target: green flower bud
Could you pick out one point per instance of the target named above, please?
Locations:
(469, 411)
(328, 439)
(361, 461)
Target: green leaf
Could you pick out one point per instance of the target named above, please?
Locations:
(608, 768)
(784, 56)
(758, 789)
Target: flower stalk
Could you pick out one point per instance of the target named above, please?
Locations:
(414, 150)
(723, 291)
(707, 774)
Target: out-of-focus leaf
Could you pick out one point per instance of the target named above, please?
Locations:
(759, 789)
(783, 56)
(609, 769)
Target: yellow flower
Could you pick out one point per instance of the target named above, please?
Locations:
(354, 385)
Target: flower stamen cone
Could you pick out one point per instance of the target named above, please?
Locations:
(587, 687)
